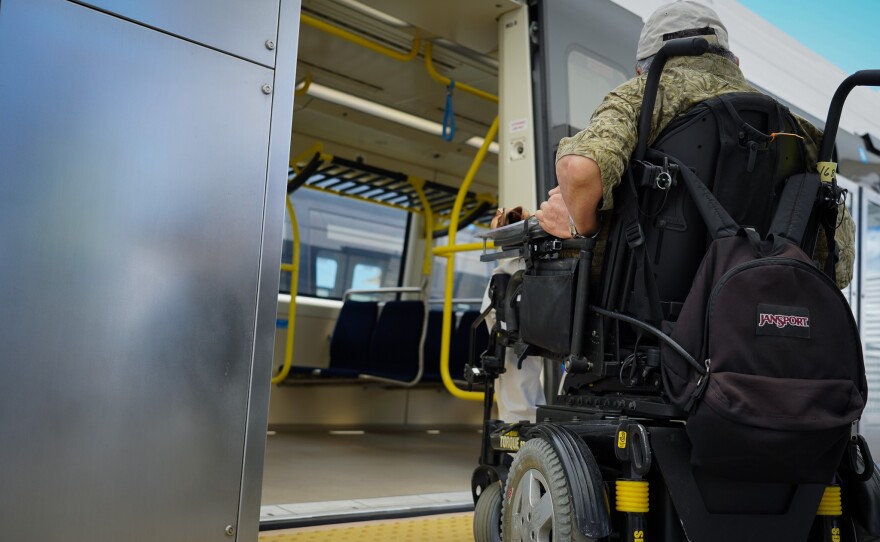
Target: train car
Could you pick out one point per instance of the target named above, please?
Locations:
(163, 378)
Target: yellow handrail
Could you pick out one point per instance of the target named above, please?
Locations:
(429, 63)
(316, 148)
(304, 89)
(464, 247)
(363, 42)
(450, 270)
(391, 53)
(291, 310)
(428, 217)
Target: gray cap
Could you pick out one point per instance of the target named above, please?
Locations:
(678, 16)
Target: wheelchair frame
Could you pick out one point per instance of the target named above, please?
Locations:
(623, 432)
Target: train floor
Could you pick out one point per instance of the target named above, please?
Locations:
(325, 477)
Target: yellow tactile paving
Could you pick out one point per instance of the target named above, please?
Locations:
(445, 528)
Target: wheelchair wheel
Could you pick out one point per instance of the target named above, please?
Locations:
(536, 506)
(487, 515)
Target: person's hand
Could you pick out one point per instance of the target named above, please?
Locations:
(553, 215)
(504, 217)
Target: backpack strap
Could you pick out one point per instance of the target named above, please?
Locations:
(646, 301)
(795, 207)
(718, 221)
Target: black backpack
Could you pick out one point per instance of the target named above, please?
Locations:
(770, 373)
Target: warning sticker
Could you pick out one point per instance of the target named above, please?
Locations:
(518, 125)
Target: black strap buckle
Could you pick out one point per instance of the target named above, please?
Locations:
(634, 235)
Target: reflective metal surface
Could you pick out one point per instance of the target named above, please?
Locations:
(238, 27)
(132, 199)
(869, 322)
(270, 260)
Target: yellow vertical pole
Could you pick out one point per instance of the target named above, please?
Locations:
(294, 282)
(450, 270)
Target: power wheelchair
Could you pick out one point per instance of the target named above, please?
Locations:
(609, 457)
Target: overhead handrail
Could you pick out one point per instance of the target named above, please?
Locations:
(450, 271)
(445, 81)
(391, 53)
(293, 268)
(304, 89)
(363, 42)
(319, 171)
(317, 148)
(421, 356)
(303, 174)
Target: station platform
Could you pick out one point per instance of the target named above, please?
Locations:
(438, 528)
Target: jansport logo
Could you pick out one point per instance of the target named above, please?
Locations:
(782, 320)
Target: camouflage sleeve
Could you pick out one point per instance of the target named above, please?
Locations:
(610, 138)
(812, 140)
(845, 236)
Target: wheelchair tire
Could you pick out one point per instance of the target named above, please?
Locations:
(487, 515)
(536, 505)
(861, 534)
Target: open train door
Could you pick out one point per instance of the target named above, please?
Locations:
(569, 54)
(580, 51)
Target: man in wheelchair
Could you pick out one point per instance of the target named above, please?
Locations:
(708, 353)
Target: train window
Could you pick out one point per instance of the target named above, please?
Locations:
(366, 276)
(851, 292)
(471, 275)
(870, 310)
(589, 80)
(344, 244)
(325, 276)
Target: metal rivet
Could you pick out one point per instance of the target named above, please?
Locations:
(267, 89)
(230, 530)
(270, 44)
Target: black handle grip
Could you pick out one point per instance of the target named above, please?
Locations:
(863, 78)
(677, 47)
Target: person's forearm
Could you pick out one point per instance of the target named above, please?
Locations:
(580, 182)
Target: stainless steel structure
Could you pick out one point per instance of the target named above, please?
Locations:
(143, 159)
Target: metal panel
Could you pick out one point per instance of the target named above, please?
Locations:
(131, 210)
(238, 27)
(270, 260)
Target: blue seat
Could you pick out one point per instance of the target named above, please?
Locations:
(433, 342)
(394, 350)
(349, 343)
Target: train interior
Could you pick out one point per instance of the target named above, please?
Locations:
(394, 101)
(356, 427)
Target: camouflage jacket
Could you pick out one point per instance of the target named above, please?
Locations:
(611, 135)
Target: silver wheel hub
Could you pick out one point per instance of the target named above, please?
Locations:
(533, 519)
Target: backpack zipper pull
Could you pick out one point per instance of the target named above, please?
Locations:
(753, 155)
(702, 382)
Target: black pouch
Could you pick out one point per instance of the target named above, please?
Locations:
(547, 304)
